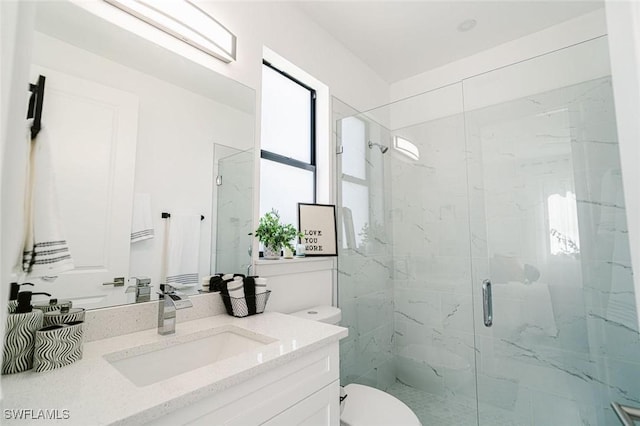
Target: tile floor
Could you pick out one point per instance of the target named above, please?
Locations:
(435, 410)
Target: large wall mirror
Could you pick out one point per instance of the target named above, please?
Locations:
(134, 126)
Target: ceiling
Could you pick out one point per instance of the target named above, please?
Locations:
(399, 39)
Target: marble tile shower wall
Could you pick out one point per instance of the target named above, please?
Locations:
(431, 258)
(365, 275)
(366, 301)
(564, 343)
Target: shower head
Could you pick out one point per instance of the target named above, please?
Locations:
(383, 149)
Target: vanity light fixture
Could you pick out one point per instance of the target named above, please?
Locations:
(406, 147)
(185, 21)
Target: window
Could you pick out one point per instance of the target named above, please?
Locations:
(564, 237)
(362, 184)
(355, 187)
(288, 154)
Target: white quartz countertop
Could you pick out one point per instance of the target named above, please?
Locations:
(92, 392)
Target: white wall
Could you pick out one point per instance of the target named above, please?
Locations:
(16, 21)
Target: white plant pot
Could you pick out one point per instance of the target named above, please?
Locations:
(271, 253)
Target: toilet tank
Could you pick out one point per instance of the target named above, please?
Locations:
(324, 313)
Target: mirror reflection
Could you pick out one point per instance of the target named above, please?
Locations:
(233, 181)
(137, 131)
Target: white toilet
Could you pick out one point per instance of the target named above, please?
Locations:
(364, 405)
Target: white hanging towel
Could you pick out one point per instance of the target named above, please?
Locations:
(46, 252)
(141, 222)
(182, 251)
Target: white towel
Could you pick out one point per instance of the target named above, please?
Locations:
(239, 303)
(261, 285)
(261, 289)
(182, 252)
(206, 282)
(141, 222)
(236, 287)
(46, 252)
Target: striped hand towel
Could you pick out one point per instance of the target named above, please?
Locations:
(141, 222)
(183, 251)
(46, 252)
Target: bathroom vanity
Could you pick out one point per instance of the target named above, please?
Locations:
(264, 369)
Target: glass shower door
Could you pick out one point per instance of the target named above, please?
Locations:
(404, 267)
(549, 236)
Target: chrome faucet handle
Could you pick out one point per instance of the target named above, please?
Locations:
(142, 281)
(182, 303)
(166, 289)
(142, 289)
(168, 292)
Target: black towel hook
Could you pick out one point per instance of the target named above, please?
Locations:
(35, 105)
(166, 215)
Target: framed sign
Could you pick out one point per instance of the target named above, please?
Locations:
(317, 222)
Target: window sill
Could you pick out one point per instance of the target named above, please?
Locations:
(283, 266)
(282, 260)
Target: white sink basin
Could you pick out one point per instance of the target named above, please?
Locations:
(148, 364)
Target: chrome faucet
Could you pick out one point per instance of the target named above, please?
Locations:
(169, 303)
(142, 289)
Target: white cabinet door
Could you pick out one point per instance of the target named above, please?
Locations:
(92, 130)
(319, 409)
(308, 385)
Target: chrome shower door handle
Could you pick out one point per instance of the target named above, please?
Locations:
(487, 303)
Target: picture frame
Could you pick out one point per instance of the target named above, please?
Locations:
(317, 223)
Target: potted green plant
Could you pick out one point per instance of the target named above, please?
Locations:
(274, 235)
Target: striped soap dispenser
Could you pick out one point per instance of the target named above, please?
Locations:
(19, 337)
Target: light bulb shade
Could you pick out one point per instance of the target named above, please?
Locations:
(185, 21)
(406, 147)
